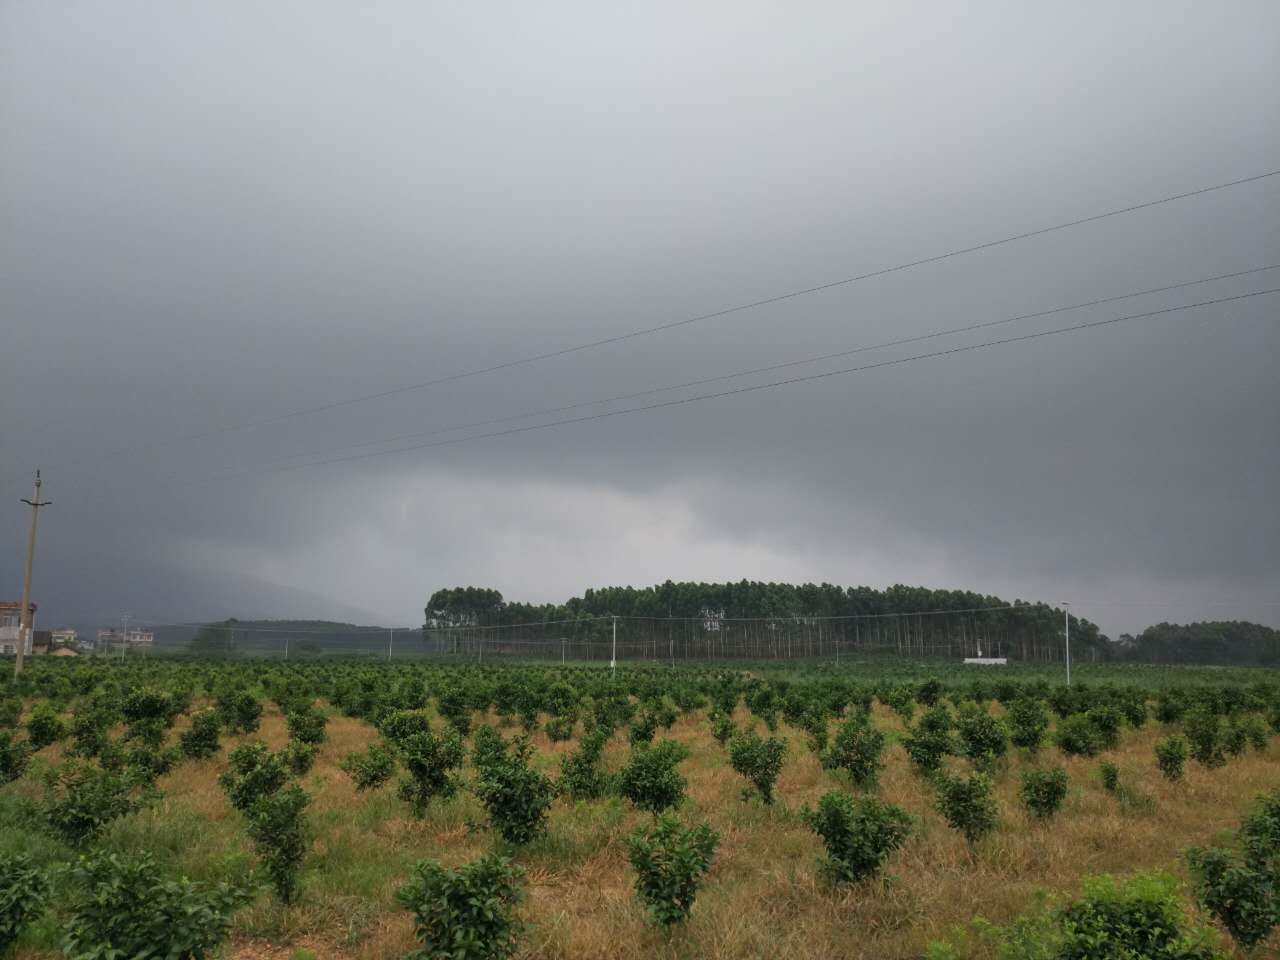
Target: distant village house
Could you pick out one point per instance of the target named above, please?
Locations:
(9, 627)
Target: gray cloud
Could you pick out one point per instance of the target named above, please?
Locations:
(211, 214)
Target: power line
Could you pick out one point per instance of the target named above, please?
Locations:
(766, 386)
(674, 324)
(901, 341)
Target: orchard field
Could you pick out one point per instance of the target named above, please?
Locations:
(879, 808)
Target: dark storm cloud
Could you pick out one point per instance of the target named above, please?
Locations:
(218, 213)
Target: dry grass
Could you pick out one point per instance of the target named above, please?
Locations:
(763, 897)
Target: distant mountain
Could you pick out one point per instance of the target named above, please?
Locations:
(87, 591)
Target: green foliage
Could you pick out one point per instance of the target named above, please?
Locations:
(23, 894)
(1245, 900)
(278, 830)
(306, 723)
(81, 799)
(14, 756)
(1110, 775)
(464, 914)
(429, 762)
(1043, 791)
(1139, 918)
(123, 907)
(983, 738)
(516, 796)
(44, 726)
(200, 740)
(1028, 721)
(1106, 722)
(1171, 757)
(559, 729)
(581, 775)
(760, 761)
(1076, 736)
(299, 757)
(723, 728)
(643, 728)
(1203, 730)
(239, 710)
(967, 805)
(650, 779)
(1260, 834)
(860, 833)
(254, 773)
(856, 749)
(370, 769)
(670, 862)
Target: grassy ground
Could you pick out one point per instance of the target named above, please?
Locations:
(763, 898)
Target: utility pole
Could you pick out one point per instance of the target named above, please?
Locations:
(391, 635)
(24, 611)
(613, 655)
(1066, 621)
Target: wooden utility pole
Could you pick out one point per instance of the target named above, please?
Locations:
(24, 611)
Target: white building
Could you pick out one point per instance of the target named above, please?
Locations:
(111, 639)
(9, 627)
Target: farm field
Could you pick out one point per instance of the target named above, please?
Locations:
(147, 724)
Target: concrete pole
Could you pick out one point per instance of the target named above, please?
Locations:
(1066, 620)
(613, 656)
(24, 610)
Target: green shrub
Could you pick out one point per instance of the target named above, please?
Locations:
(44, 726)
(1171, 757)
(1245, 900)
(454, 704)
(370, 769)
(464, 914)
(299, 757)
(643, 728)
(1028, 721)
(581, 775)
(14, 756)
(760, 761)
(239, 710)
(1109, 773)
(1140, 918)
(982, 737)
(398, 725)
(559, 729)
(723, 728)
(123, 907)
(1106, 721)
(1203, 730)
(24, 892)
(1043, 791)
(429, 762)
(306, 723)
(859, 833)
(670, 862)
(1256, 731)
(856, 749)
(81, 799)
(650, 779)
(516, 796)
(1076, 736)
(1260, 835)
(1235, 738)
(10, 711)
(967, 805)
(200, 740)
(254, 772)
(279, 836)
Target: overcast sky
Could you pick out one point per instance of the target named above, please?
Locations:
(217, 213)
